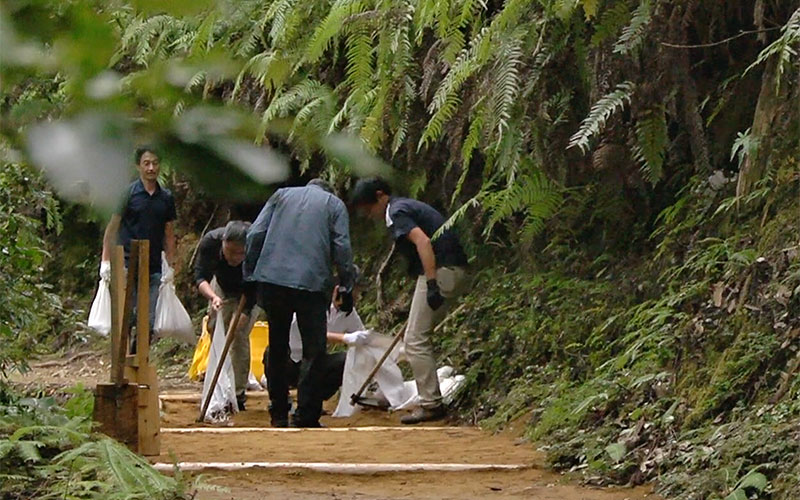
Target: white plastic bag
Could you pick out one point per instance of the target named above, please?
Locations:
(359, 363)
(223, 400)
(171, 319)
(448, 385)
(100, 313)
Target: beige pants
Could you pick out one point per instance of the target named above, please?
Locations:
(240, 349)
(421, 320)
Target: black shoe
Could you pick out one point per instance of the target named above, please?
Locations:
(278, 423)
(240, 399)
(425, 415)
(307, 425)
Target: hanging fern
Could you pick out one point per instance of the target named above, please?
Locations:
(506, 83)
(651, 144)
(611, 21)
(331, 26)
(533, 194)
(633, 34)
(599, 114)
(785, 48)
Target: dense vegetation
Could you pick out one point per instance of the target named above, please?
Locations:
(625, 173)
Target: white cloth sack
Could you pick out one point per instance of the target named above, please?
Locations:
(223, 400)
(253, 384)
(171, 319)
(448, 385)
(360, 361)
(100, 313)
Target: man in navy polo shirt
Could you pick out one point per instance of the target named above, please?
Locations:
(440, 269)
(147, 214)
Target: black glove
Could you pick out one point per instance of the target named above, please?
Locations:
(345, 300)
(435, 299)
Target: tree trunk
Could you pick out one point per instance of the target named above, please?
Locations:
(769, 101)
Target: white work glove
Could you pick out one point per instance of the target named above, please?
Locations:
(356, 338)
(105, 270)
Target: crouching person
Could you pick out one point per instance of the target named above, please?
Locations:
(218, 274)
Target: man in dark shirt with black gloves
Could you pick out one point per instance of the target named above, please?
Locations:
(219, 278)
(147, 214)
(301, 234)
(439, 266)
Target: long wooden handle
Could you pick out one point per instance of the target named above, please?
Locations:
(228, 341)
(357, 396)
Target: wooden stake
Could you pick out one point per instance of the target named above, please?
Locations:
(143, 303)
(228, 341)
(127, 308)
(117, 304)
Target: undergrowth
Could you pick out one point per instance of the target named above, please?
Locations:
(48, 450)
(677, 365)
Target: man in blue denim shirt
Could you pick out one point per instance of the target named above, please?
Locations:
(301, 234)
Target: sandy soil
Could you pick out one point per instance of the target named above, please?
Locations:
(466, 445)
(451, 445)
(531, 484)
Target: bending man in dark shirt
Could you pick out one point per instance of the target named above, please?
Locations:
(218, 274)
(439, 267)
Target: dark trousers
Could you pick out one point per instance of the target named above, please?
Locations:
(333, 371)
(280, 303)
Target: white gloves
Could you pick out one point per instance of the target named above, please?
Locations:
(356, 338)
(105, 270)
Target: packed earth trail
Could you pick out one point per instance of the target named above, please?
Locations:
(367, 456)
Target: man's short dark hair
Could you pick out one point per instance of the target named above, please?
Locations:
(321, 183)
(141, 150)
(366, 190)
(236, 232)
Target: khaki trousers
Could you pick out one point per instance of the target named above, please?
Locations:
(421, 321)
(240, 349)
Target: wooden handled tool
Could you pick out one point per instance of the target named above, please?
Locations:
(228, 341)
(356, 398)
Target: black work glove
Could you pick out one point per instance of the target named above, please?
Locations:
(435, 299)
(345, 300)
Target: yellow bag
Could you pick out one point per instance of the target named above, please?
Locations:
(200, 358)
(259, 339)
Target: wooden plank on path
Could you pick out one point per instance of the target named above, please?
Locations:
(237, 430)
(339, 468)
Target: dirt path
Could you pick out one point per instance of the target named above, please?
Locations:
(290, 459)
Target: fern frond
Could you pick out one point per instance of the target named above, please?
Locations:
(533, 194)
(359, 60)
(600, 113)
(634, 33)
(459, 214)
(331, 26)
(785, 48)
(611, 21)
(506, 83)
(651, 144)
(473, 137)
(433, 130)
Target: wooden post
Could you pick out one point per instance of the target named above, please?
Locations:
(143, 304)
(146, 376)
(117, 297)
(116, 404)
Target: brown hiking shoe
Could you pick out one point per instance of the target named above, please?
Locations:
(425, 415)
